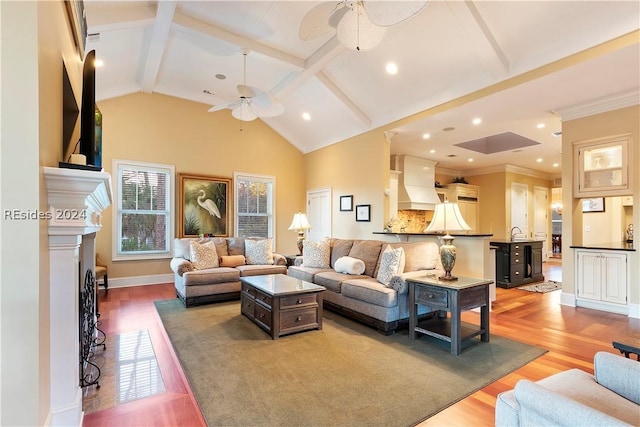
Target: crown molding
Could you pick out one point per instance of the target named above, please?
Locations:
(508, 168)
(599, 105)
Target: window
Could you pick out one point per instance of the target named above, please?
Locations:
(144, 219)
(254, 205)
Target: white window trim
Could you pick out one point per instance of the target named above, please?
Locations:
(255, 177)
(116, 164)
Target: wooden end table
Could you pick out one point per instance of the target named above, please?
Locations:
(281, 304)
(449, 296)
(629, 346)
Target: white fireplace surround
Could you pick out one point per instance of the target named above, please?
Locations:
(77, 199)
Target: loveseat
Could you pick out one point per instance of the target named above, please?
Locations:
(365, 279)
(209, 269)
(609, 397)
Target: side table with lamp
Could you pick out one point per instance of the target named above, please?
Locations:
(299, 224)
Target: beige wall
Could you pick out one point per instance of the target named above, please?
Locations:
(493, 207)
(162, 129)
(35, 42)
(625, 120)
(357, 166)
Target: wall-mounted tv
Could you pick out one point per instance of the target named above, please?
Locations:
(90, 142)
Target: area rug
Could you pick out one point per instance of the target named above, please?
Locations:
(346, 374)
(542, 287)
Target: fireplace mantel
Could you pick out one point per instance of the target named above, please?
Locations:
(77, 199)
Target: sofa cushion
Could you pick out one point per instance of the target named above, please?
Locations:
(391, 262)
(305, 273)
(371, 291)
(182, 248)
(332, 280)
(221, 246)
(339, 248)
(232, 260)
(258, 252)
(211, 276)
(315, 254)
(349, 265)
(420, 255)
(261, 269)
(235, 246)
(369, 252)
(203, 255)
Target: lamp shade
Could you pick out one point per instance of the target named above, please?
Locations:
(300, 222)
(447, 217)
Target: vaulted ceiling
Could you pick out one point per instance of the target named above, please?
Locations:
(513, 64)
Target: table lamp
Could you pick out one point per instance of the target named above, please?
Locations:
(446, 218)
(299, 224)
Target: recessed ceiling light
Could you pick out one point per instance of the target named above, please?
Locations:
(432, 151)
(555, 165)
(477, 121)
(426, 135)
(539, 160)
(220, 76)
(449, 129)
(540, 125)
(469, 160)
(392, 68)
(98, 63)
(306, 116)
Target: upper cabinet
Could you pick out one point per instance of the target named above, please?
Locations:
(601, 167)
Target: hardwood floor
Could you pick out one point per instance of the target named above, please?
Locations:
(572, 336)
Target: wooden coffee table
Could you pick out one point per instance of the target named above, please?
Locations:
(280, 304)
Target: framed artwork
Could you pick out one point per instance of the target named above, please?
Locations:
(75, 14)
(203, 205)
(593, 205)
(363, 213)
(346, 203)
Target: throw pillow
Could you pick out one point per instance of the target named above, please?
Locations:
(258, 252)
(349, 265)
(389, 264)
(315, 254)
(203, 255)
(232, 260)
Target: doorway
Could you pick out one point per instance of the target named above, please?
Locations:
(319, 213)
(556, 223)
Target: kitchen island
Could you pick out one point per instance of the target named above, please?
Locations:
(518, 262)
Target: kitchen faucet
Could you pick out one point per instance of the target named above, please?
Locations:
(513, 234)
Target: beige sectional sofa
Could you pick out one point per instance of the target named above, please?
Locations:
(209, 269)
(364, 297)
(609, 397)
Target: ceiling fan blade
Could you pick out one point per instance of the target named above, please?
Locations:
(243, 112)
(388, 13)
(262, 100)
(248, 91)
(275, 109)
(357, 32)
(315, 22)
(223, 106)
(336, 16)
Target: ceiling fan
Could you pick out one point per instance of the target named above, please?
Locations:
(359, 24)
(252, 103)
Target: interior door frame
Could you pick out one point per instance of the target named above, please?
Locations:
(525, 221)
(325, 216)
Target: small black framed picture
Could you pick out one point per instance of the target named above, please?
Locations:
(363, 213)
(346, 203)
(593, 205)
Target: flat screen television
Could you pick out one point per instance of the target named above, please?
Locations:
(90, 145)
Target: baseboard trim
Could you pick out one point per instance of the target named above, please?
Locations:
(634, 311)
(567, 299)
(126, 282)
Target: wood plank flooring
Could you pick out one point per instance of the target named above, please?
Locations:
(572, 336)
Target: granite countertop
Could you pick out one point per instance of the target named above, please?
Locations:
(515, 241)
(435, 234)
(608, 246)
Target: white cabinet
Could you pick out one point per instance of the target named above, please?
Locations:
(467, 197)
(602, 280)
(602, 167)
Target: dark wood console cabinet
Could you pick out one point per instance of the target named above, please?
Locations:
(518, 263)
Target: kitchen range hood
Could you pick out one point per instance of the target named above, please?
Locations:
(416, 183)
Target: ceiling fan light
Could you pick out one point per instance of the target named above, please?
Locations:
(357, 32)
(243, 112)
(274, 109)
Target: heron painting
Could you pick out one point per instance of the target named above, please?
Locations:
(203, 205)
